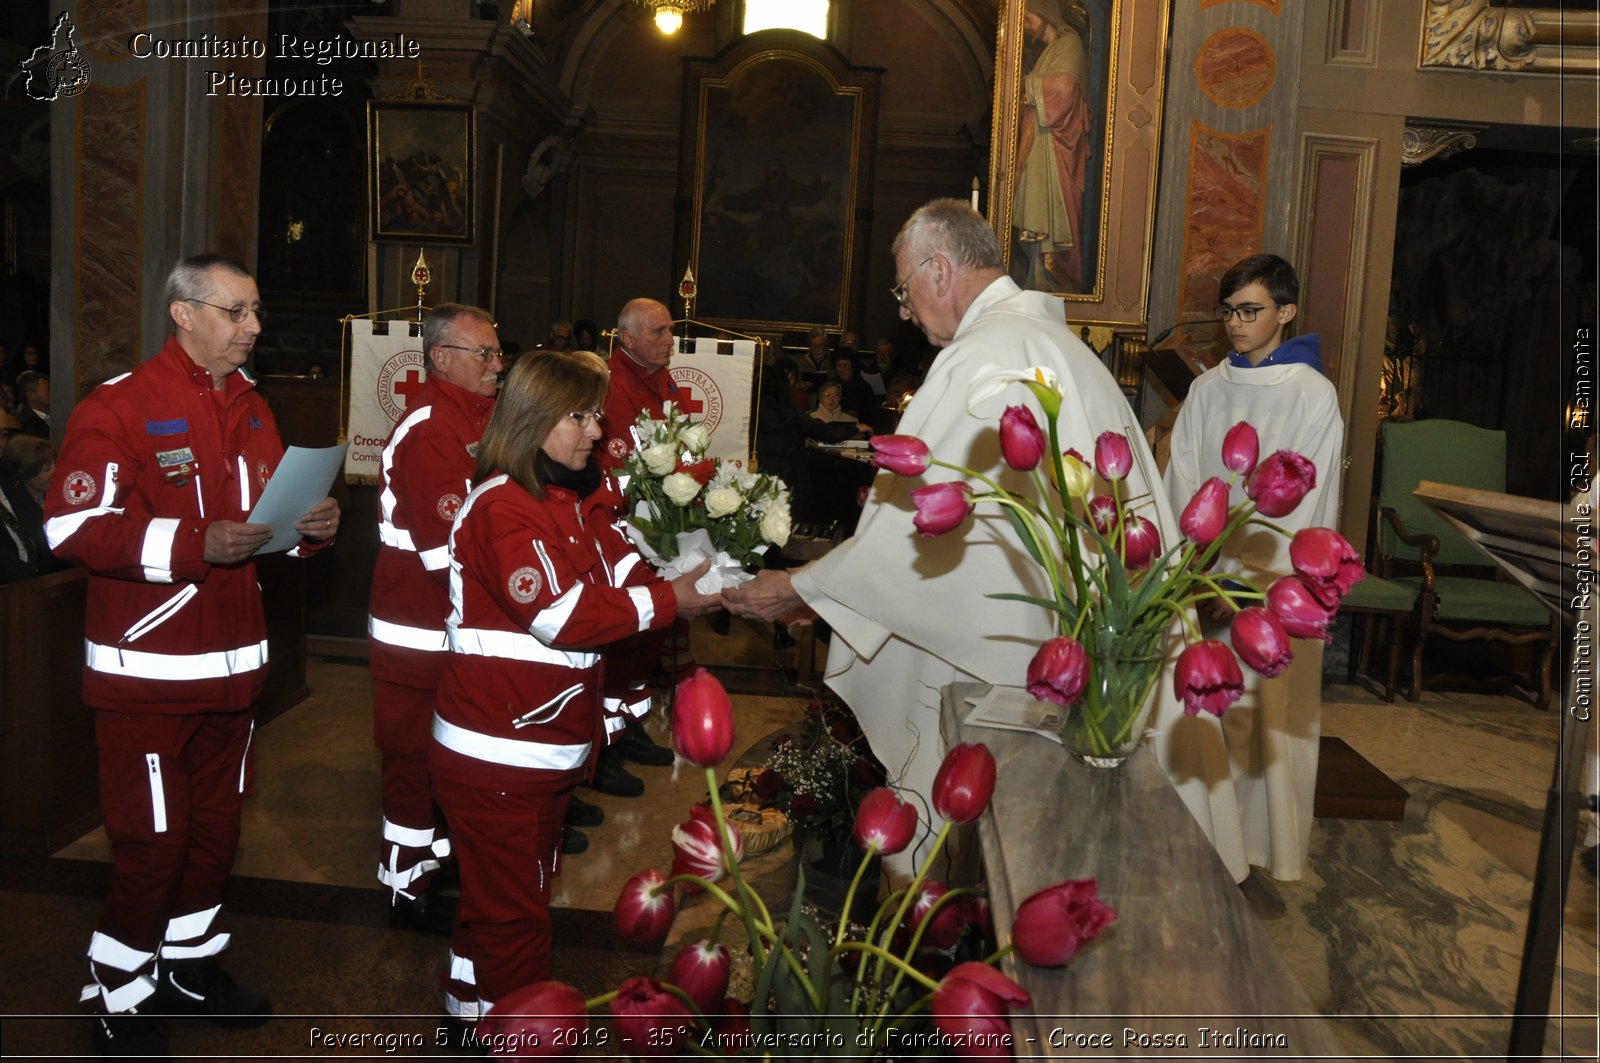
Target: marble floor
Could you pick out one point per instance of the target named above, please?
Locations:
(1407, 934)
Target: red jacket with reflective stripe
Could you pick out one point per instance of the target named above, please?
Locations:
(426, 474)
(538, 587)
(150, 459)
(631, 391)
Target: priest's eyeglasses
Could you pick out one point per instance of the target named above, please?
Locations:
(482, 354)
(236, 312)
(585, 418)
(902, 290)
(1246, 314)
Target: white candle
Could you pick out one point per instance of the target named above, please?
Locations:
(974, 193)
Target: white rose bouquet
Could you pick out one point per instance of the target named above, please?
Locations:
(688, 508)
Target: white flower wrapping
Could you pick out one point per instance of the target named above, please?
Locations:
(693, 548)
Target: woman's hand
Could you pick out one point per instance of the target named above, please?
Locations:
(691, 602)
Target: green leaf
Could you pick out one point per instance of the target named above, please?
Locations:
(1024, 534)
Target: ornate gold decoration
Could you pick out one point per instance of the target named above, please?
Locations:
(1477, 35)
(1420, 143)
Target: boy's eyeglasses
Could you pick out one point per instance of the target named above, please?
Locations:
(1246, 314)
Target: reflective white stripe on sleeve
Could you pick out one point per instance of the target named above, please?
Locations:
(155, 553)
(550, 620)
(435, 559)
(644, 605)
(399, 538)
(108, 951)
(59, 529)
(407, 637)
(158, 793)
(626, 566)
(545, 756)
(109, 660)
(514, 645)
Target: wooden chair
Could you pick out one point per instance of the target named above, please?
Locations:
(1459, 596)
(1386, 605)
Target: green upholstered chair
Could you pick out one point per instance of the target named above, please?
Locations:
(1386, 605)
(1460, 596)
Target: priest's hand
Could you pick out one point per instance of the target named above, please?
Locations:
(769, 596)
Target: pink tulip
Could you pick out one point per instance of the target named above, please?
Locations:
(644, 909)
(1207, 512)
(1103, 513)
(971, 1007)
(975, 912)
(1326, 562)
(941, 507)
(1260, 641)
(1141, 544)
(906, 455)
(1207, 678)
(697, 846)
(701, 971)
(1240, 447)
(1279, 483)
(945, 930)
(884, 823)
(1054, 923)
(702, 720)
(538, 1021)
(649, 1020)
(1113, 457)
(964, 783)
(1058, 671)
(1302, 614)
(1022, 442)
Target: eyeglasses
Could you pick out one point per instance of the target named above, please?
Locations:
(1246, 314)
(585, 418)
(901, 291)
(236, 312)
(482, 354)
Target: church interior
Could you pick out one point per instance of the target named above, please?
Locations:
(1430, 167)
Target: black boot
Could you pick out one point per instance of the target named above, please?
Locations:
(201, 987)
(581, 813)
(131, 1033)
(573, 842)
(611, 777)
(635, 744)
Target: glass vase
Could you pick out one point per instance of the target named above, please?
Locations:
(1108, 723)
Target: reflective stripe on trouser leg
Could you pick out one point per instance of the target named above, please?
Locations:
(413, 841)
(194, 935)
(123, 976)
(461, 998)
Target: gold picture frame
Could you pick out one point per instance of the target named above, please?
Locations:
(1490, 35)
(1058, 58)
(777, 155)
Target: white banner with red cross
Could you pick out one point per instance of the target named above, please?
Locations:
(716, 379)
(385, 368)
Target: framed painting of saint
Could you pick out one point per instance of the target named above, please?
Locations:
(419, 160)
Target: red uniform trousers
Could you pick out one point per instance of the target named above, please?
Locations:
(508, 847)
(414, 841)
(172, 787)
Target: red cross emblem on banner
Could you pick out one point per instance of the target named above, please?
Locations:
(686, 400)
(408, 385)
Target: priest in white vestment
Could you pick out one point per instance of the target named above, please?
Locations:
(912, 614)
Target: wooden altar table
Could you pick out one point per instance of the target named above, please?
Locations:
(1186, 970)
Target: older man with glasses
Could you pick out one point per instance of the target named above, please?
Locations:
(158, 473)
(911, 614)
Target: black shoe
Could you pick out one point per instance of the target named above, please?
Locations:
(781, 639)
(611, 777)
(130, 1033)
(581, 813)
(722, 622)
(573, 842)
(427, 913)
(637, 745)
(201, 987)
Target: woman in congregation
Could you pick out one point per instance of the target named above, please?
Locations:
(830, 411)
(541, 579)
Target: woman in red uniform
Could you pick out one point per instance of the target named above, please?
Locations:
(541, 579)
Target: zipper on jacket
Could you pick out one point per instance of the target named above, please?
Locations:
(158, 795)
(159, 615)
(555, 705)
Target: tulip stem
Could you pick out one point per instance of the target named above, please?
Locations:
(751, 924)
(887, 957)
(850, 894)
(905, 901)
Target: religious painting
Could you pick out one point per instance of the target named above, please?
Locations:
(420, 186)
(776, 164)
(1078, 86)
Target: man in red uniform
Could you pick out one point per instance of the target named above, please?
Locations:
(639, 381)
(158, 472)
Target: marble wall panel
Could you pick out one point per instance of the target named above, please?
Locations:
(106, 26)
(110, 183)
(1235, 67)
(1223, 221)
